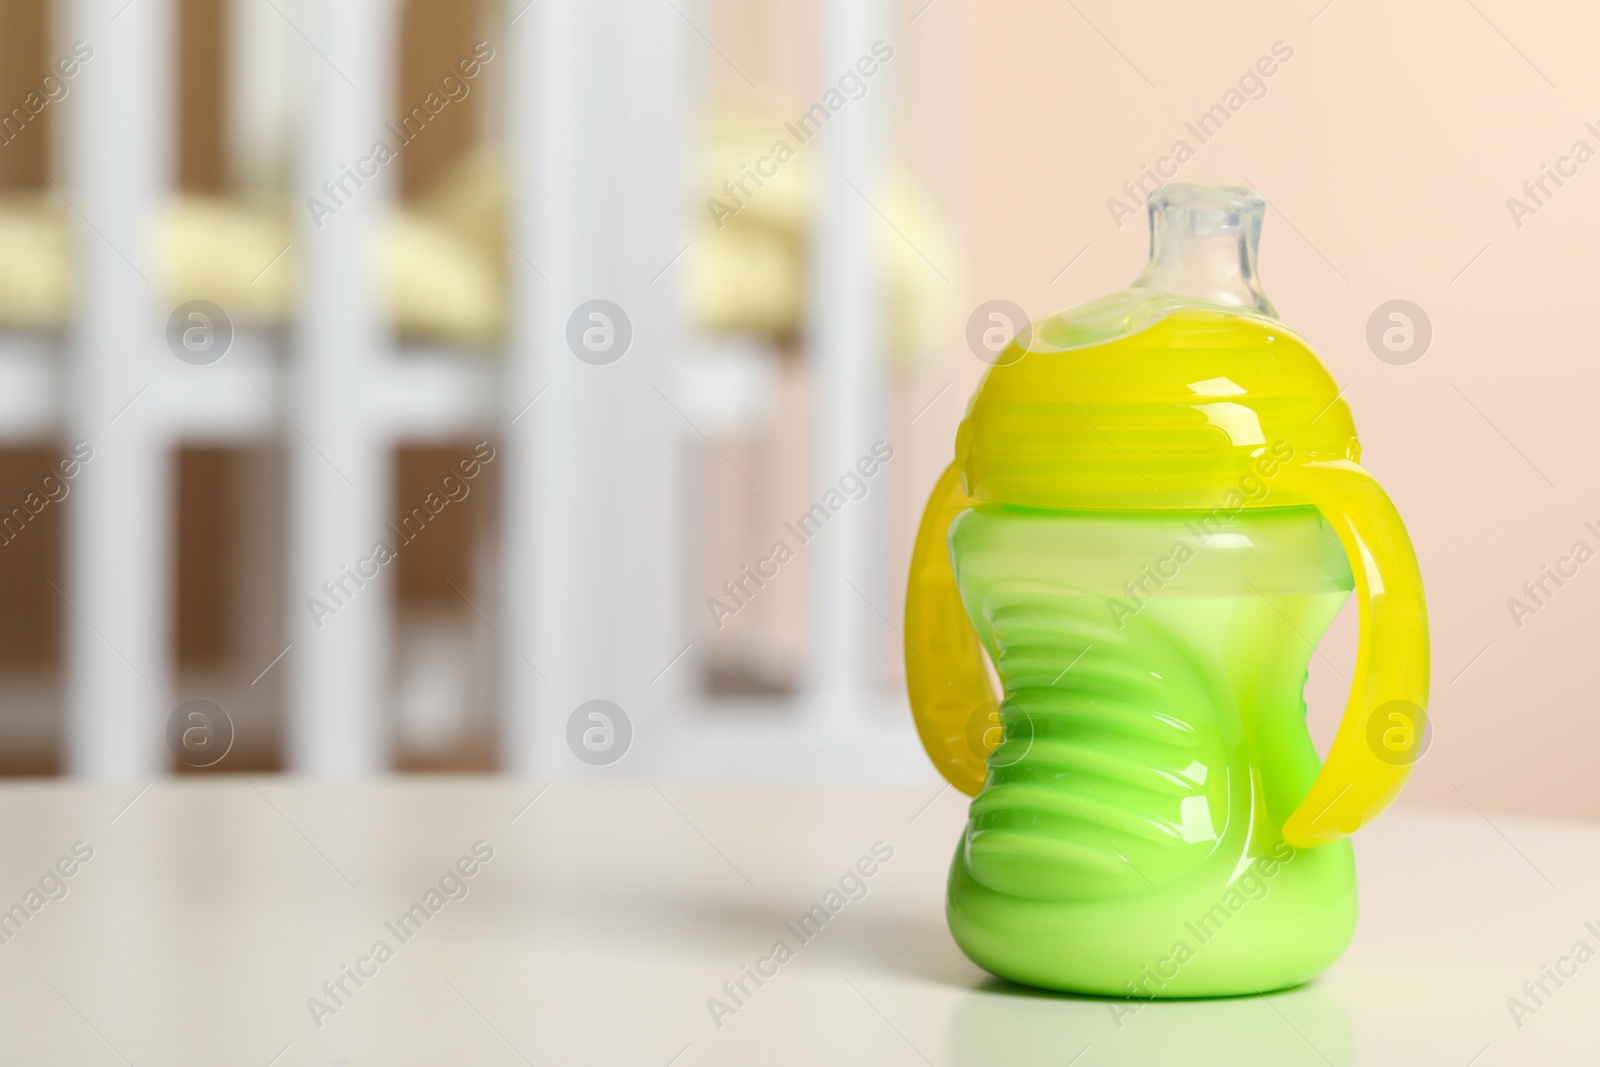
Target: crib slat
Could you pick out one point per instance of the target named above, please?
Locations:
(543, 137)
(847, 347)
(118, 682)
(338, 461)
(591, 602)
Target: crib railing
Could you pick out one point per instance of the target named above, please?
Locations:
(589, 595)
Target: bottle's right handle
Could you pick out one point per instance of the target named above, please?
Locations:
(1379, 736)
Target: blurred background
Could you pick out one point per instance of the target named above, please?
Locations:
(577, 310)
(280, 344)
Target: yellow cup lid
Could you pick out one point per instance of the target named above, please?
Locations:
(1183, 391)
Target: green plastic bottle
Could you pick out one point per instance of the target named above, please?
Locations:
(1155, 511)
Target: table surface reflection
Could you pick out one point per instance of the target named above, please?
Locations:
(240, 921)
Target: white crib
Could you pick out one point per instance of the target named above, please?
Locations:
(589, 597)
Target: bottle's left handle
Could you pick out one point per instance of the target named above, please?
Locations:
(946, 667)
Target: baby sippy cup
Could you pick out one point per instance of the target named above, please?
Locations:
(1154, 512)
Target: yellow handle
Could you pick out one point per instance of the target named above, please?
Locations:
(946, 666)
(1381, 733)
(1379, 737)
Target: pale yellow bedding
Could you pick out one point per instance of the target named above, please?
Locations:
(441, 262)
(434, 282)
(747, 269)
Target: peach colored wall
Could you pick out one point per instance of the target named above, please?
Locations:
(1386, 147)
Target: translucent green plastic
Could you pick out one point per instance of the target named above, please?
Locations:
(1154, 513)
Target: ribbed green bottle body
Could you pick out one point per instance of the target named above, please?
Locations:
(1129, 836)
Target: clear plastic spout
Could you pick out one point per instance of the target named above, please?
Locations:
(1203, 244)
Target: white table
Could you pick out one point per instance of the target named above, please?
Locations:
(612, 911)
